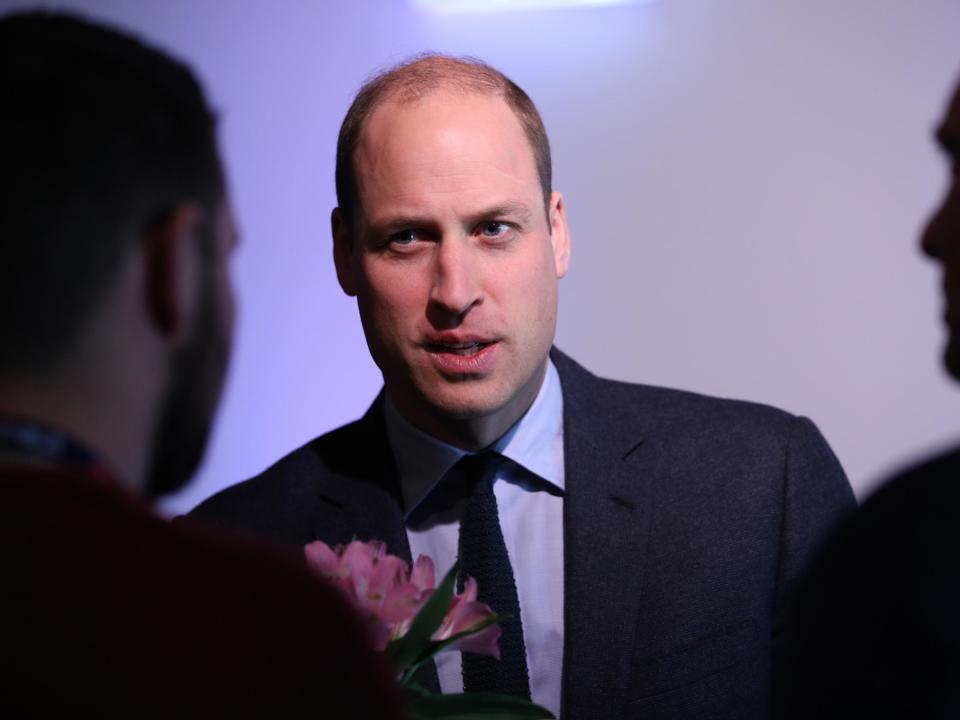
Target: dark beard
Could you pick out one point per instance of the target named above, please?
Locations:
(186, 415)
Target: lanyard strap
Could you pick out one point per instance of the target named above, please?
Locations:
(39, 443)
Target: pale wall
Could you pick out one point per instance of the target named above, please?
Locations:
(745, 181)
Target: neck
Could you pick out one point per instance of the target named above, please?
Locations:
(116, 439)
(474, 432)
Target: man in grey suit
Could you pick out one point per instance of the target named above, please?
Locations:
(645, 540)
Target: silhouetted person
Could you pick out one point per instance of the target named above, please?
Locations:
(116, 314)
(879, 622)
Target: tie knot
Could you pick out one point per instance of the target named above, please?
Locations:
(479, 471)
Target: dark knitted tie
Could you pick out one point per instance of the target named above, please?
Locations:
(483, 556)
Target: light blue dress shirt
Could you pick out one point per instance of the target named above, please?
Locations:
(530, 503)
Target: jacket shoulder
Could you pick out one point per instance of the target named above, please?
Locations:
(674, 403)
(663, 409)
(274, 503)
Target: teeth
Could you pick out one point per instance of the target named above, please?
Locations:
(461, 348)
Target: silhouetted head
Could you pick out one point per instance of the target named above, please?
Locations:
(107, 147)
(942, 237)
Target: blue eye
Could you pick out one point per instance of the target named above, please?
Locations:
(493, 229)
(404, 237)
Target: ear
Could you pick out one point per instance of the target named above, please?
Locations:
(171, 271)
(343, 253)
(559, 234)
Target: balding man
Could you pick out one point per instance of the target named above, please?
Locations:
(641, 540)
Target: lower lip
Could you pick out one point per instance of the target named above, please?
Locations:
(454, 364)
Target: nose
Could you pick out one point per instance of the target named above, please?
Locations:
(930, 241)
(456, 282)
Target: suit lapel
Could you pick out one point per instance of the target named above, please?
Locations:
(364, 493)
(368, 498)
(607, 515)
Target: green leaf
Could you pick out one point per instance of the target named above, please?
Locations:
(415, 690)
(436, 646)
(405, 650)
(475, 706)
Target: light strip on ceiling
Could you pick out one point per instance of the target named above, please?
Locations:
(457, 6)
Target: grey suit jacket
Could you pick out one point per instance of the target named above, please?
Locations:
(687, 521)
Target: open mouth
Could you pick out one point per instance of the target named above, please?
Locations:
(465, 358)
(465, 349)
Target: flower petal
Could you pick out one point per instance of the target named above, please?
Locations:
(401, 603)
(466, 613)
(357, 562)
(424, 576)
(321, 558)
(485, 642)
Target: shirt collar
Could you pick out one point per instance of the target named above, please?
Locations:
(535, 442)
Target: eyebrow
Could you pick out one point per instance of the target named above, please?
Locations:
(396, 224)
(508, 210)
(516, 210)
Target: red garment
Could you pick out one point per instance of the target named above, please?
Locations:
(109, 609)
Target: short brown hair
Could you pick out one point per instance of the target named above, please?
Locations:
(101, 136)
(417, 77)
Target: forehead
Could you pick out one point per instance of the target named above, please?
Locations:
(448, 142)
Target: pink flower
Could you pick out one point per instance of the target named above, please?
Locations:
(465, 613)
(377, 583)
(385, 590)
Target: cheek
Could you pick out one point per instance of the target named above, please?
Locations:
(226, 300)
(531, 286)
(391, 300)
